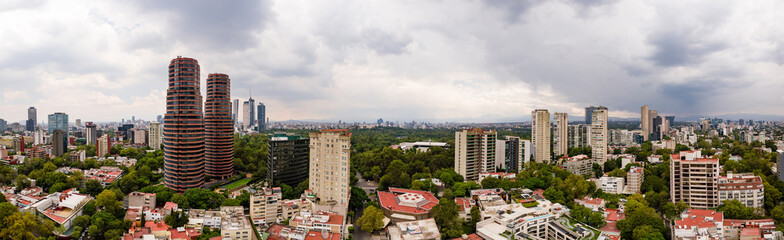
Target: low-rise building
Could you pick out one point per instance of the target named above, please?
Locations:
(634, 180)
(425, 229)
(141, 200)
(499, 175)
(736, 229)
(464, 206)
(579, 165)
(234, 223)
(406, 205)
(527, 223)
(595, 204)
(105, 175)
(292, 208)
(610, 184)
(200, 218)
(319, 221)
(61, 207)
(746, 188)
(281, 232)
(699, 224)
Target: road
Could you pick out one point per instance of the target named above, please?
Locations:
(368, 186)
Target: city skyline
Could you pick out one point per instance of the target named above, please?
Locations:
(301, 61)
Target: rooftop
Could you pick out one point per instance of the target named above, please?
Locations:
(406, 200)
(699, 218)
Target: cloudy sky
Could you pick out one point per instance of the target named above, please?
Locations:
(492, 60)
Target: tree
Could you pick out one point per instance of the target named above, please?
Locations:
(476, 216)
(647, 232)
(82, 221)
(447, 218)
(89, 208)
(6, 209)
(94, 233)
(180, 200)
(597, 169)
(176, 219)
(637, 215)
(371, 220)
(231, 202)
(23, 225)
(203, 198)
(358, 198)
(596, 220)
(734, 209)
(288, 191)
(778, 213)
(490, 182)
(107, 200)
(93, 187)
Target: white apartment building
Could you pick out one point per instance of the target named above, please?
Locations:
(694, 180)
(610, 184)
(746, 188)
(475, 152)
(540, 135)
(634, 179)
(599, 134)
(560, 136)
(330, 154)
(265, 205)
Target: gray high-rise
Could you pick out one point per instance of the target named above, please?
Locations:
(588, 113)
(32, 118)
(235, 111)
(58, 121)
(262, 116)
(249, 113)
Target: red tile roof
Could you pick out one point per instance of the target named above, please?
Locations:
(472, 236)
(161, 226)
(316, 235)
(614, 215)
(610, 227)
(464, 203)
(698, 217)
(388, 201)
(593, 201)
(750, 232)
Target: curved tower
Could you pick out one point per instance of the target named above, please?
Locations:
(183, 131)
(218, 127)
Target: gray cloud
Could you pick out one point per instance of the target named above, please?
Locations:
(673, 49)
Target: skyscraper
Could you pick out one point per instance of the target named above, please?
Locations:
(694, 180)
(599, 134)
(262, 116)
(32, 118)
(540, 135)
(287, 158)
(183, 133)
(59, 142)
(235, 110)
(218, 129)
(560, 136)
(104, 146)
(155, 135)
(58, 121)
(330, 156)
(475, 152)
(249, 113)
(92, 133)
(514, 154)
(645, 123)
(589, 113)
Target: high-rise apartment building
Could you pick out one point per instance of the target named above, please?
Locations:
(745, 187)
(287, 159)
(104, 146)
(634, 179)
(475, 152)
(644, 123)
(599, 134)
(183, 132)
(140, 136)
(265, 205)
(694, 179)
(652, 114)
(262, 116)
(330, 155)
(155, 136)
(235, 104)
(588, 113)
(91, 132)
(78, 123)
(59, 142)
(218, 129)
(514, 154)
(579, 136)
(58, 121)
(781, 164)
(560, 133)
(32, 118)
(540, 135)
(249, 113)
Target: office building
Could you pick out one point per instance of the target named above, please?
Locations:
(262, 116)
(126, 130)
(588, 114)
(475, 152)
(514, 153)
(287, 159)
(265, 205)
(3, 125)
(183, 132)
(104, 146)
(330, 155)
(91, 132)
(140, 136)
(744, 187)
(59, 142)
(155, 136)
(540, 135)
(694, 179)
(599, 134)
(58, 121)
(652, 114)
(644, 124)
(579, 136)
(32, 119)
(249, 113)
(218, 129)
(560, 134)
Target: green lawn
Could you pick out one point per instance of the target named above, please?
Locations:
(237, 183)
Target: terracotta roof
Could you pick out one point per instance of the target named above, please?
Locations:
(161, 226)
(698, 218)
(317, 235)
(464, 203)
(750, 232)
(593, 201)
(472, 236)
(388, 201)
(610, 227)
(614, 215)
(170, 205)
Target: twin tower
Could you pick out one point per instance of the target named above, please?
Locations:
(195, 142)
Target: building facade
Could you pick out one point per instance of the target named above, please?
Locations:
(91, 132)
(599, 134)
(104, 146)
(540, 135)
(560, 134)
(261, 113)
(218, 129)
(745, 187)
(475, 152)
(644, 123)
(32, 119)
(634, 179)
(155, 135)
(265, 205)
(514, 153)
(249, 113)
(59, 142)
(287, 159)
(330, 156)
(58, 121)
(694, 180)
(579, 136)
(183, 132)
